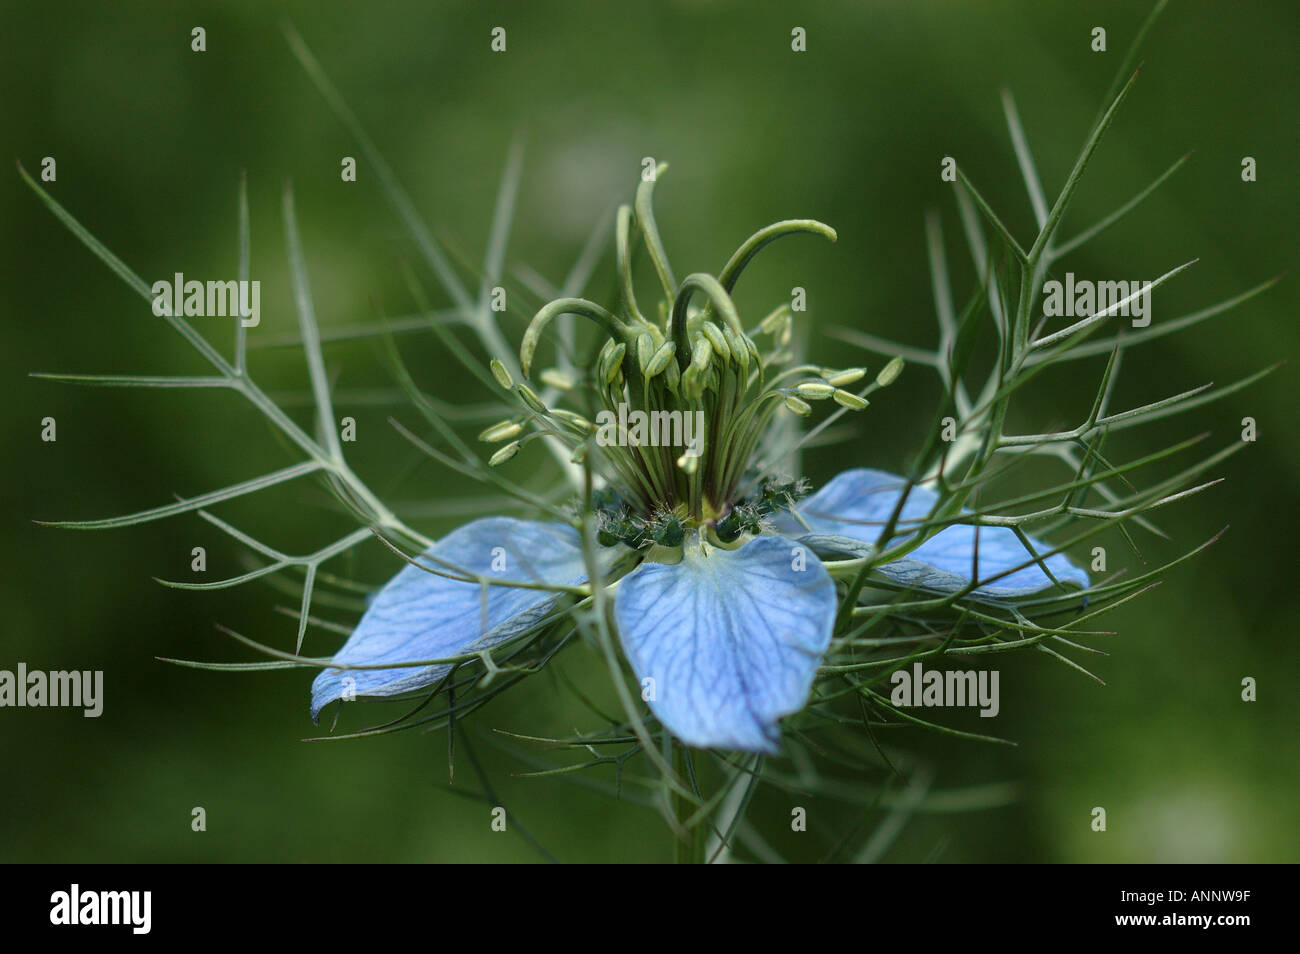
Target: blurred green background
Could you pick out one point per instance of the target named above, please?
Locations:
(150, 139)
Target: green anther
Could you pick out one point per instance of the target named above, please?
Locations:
(784, 333)
(800, 407)
(556, 379)
(742, 349)
(500, 432)
(890, 372)
(849, 400)
(701, 355)
(817, 390)
(529, 397)
(504, 454)
(672, 376)
(847, 376)
(774, 320)
(690, 382)
(718, 299)
(716, 339)
(660, 360)
(688, 464)
(645, 349)
(611, 361)
(576, 421)
(579, 454)
(501, 374)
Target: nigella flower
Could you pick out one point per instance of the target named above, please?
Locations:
(718, 571)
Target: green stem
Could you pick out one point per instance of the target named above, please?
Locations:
(688, 843)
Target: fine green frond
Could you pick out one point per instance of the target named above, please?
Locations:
(1028, 172)
(135, 380)
(192, 503)
(307, 328)
(1065, 248)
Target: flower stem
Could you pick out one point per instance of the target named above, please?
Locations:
(688, 845)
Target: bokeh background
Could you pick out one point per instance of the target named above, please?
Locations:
(150, 140)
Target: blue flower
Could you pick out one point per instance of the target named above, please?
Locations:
(725, 641)
(723, 605)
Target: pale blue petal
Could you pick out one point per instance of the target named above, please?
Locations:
(421, 615)
(731, 639)
(850, 512)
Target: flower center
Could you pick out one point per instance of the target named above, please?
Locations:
(673, 411)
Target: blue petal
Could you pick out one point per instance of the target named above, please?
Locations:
(851, 510)
(731, 638)
(421, 615)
